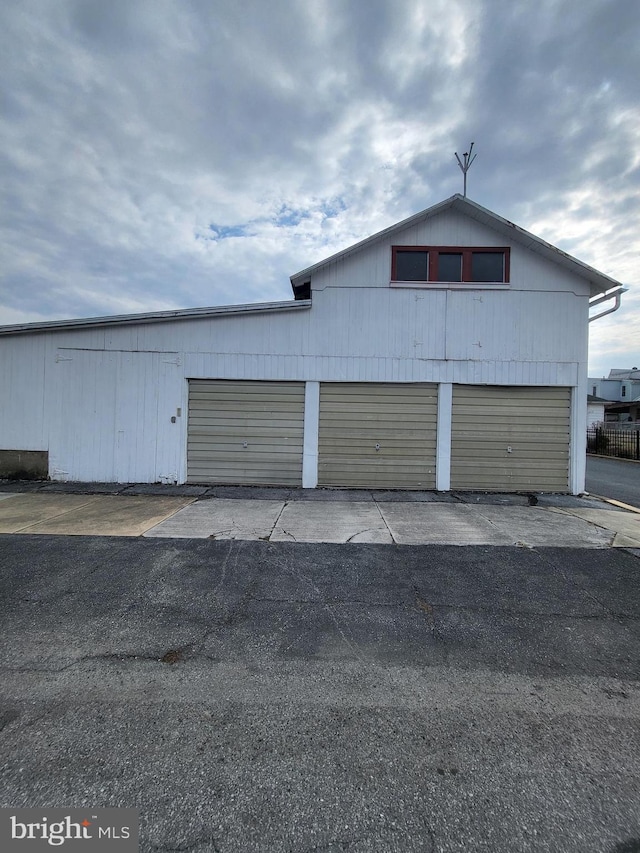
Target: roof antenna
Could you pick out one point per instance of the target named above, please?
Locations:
(465, 164)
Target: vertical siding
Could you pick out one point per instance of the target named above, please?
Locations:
(516, 326)
(23, 423)
(111, 413)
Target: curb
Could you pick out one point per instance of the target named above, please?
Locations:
(617, 458)
(614, 502)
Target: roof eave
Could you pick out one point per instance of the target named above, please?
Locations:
(600, 282)
(154, 317)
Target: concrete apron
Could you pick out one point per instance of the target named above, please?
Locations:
(625, 526)
(382, 522)
(85, 515)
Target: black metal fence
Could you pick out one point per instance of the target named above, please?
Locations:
(624, 443)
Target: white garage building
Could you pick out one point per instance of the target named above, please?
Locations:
(446, 352)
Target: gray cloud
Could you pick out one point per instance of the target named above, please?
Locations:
(296, 128)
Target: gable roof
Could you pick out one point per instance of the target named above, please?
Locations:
(599, 281)
(632, 374)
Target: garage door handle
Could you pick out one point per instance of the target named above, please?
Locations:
(377, 447)
(509, 449)
(244, 444)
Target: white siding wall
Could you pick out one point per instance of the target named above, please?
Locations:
(595, 413)
(345, 326)
(372, 268)
(23, 367)
(109, 416)
(100, 400)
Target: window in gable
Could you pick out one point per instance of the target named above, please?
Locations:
(412, 266)
(449, 266)
(453, 264)
(487, 266)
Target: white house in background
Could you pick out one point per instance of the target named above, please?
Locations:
(621, 394)
(620, 386)
(446, 352)
(595, 410)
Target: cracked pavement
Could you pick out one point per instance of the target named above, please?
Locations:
(394, 522)
(287, 696)
(315, 515)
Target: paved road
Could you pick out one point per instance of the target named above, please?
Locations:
(614, 478)
(258, 696)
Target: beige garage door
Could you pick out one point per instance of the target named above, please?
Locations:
(245, 432)
(510, 439)
(375, 435)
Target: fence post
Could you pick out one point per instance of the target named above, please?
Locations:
(638, 444)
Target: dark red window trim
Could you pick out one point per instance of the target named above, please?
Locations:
(465, 251)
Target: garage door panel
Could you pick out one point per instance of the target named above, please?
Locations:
(407, 429)
(507, 466)
(399, 419)
(379, 479)
(400, 390)
(398, 448)
(510, 438)
(246, 463)
(514, 392)
(231, 478)
(228, 442)
(493, 425)
(476, 404)
(205, 433)
(249, 406)
(414, 415)
(244, 387)
(491, 416)
(410, 404)
(267, 417)
(525, 482)
(384, 457)
(241, 412)
(258, 426)
(384, 466)
(528, 434)
(228, 457)
(543, 447)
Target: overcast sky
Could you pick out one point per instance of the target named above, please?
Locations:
(178, 153)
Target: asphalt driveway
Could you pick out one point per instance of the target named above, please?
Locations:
(278, 696)
(614, 478)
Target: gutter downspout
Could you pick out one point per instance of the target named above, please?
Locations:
(612, 294)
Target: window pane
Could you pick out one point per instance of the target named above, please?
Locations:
(487, 266)
(450, 266)
(411, 266)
